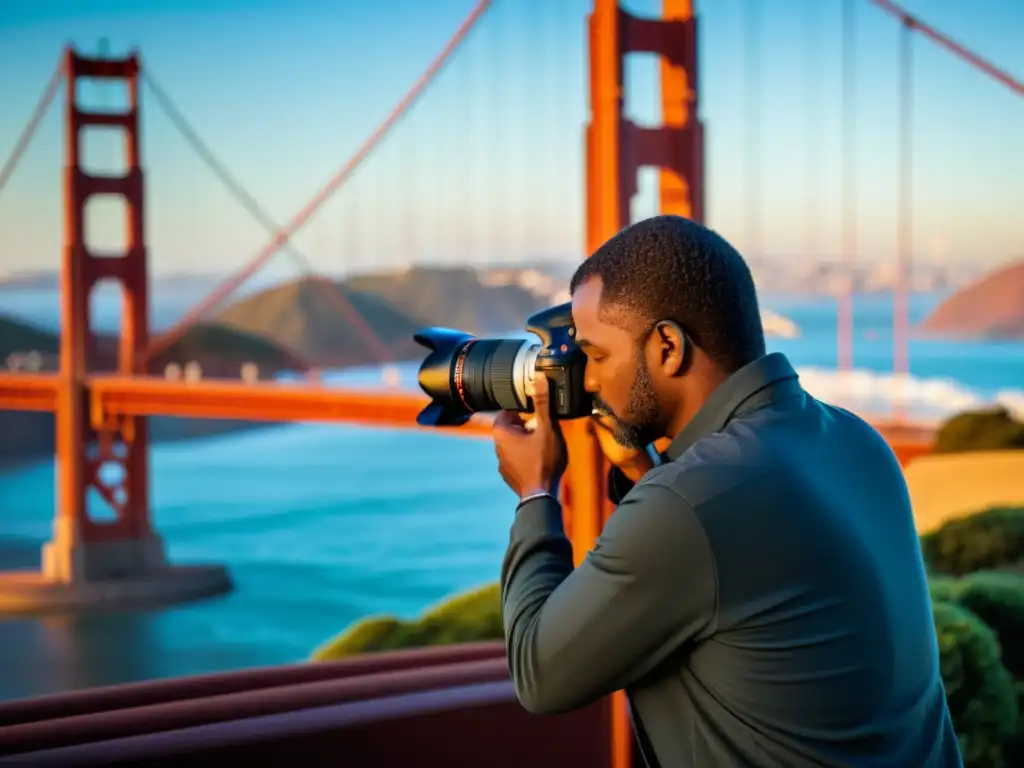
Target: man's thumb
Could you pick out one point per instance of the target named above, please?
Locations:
(541, 398)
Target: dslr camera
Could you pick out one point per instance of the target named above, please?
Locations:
(464, 375)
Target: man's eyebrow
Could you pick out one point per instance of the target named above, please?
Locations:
(585, 343)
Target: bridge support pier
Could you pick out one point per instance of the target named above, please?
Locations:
(68, 559)
(98, 560)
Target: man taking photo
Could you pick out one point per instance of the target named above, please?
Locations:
(759, 594)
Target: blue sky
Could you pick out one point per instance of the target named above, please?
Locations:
(489, 165)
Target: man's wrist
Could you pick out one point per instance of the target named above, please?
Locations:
(538, 492)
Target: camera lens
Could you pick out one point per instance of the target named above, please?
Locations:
(464, 375)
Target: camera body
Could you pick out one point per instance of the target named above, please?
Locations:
(464, 375)
(562, 361)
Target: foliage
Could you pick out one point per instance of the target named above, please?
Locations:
(988, 430)
(944, 589)
(987, 540)
(469, 617)
(979, 689)
(997, 598)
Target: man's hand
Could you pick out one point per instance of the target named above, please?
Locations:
(634, 463)
(530, 461)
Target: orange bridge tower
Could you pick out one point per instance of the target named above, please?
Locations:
(108, 466)
(616, 148)
(104, 550)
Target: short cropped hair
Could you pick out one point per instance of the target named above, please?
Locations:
(672, 268)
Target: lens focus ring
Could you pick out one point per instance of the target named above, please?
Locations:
(487, 375)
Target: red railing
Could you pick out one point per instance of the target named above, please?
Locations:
(451, 706)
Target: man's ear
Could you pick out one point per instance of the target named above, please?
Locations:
(674, 347)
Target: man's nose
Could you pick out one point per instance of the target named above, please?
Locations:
(589, 380)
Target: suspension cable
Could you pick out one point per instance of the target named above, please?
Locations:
(29, 131)
(222, 291)
(944, 41)
(905, 225)
(813, 69)
(752, 127)
(844, 326)
(329, 288)
(234, 187)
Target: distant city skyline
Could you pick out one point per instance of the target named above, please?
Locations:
(489, 166)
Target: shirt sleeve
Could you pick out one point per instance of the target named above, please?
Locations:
(647, 587)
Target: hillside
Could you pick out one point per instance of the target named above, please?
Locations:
(218, 350)
(305, 316)
(221, 350)
(452, 297)
(16, 337)
(990, 308)
(285, 328)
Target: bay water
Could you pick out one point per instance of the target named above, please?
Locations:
(323, 524)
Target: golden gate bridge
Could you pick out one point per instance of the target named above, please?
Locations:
(101, 418)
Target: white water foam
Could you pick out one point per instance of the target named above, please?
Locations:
(931, 399)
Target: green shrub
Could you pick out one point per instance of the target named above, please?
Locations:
(465, 618)
(981, 694)
(987, 540)
(988, 430)
(997, 598)
(944, 589)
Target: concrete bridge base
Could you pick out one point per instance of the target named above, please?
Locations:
(106, 575)
(31, 592)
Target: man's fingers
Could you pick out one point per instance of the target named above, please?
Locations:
(508, 421)
(505, 419)
(539, 390)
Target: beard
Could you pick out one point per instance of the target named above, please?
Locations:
(638, 426)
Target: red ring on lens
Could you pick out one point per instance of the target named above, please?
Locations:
(460, 364)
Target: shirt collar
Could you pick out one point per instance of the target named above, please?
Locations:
(757, 384)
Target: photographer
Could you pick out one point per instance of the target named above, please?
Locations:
(760, 593)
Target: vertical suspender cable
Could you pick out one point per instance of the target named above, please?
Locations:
(544, 233)
(752, 127)
(905, 225)
(813, 68)
(849, 190)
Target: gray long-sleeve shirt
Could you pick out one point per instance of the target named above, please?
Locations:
(760, 595)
